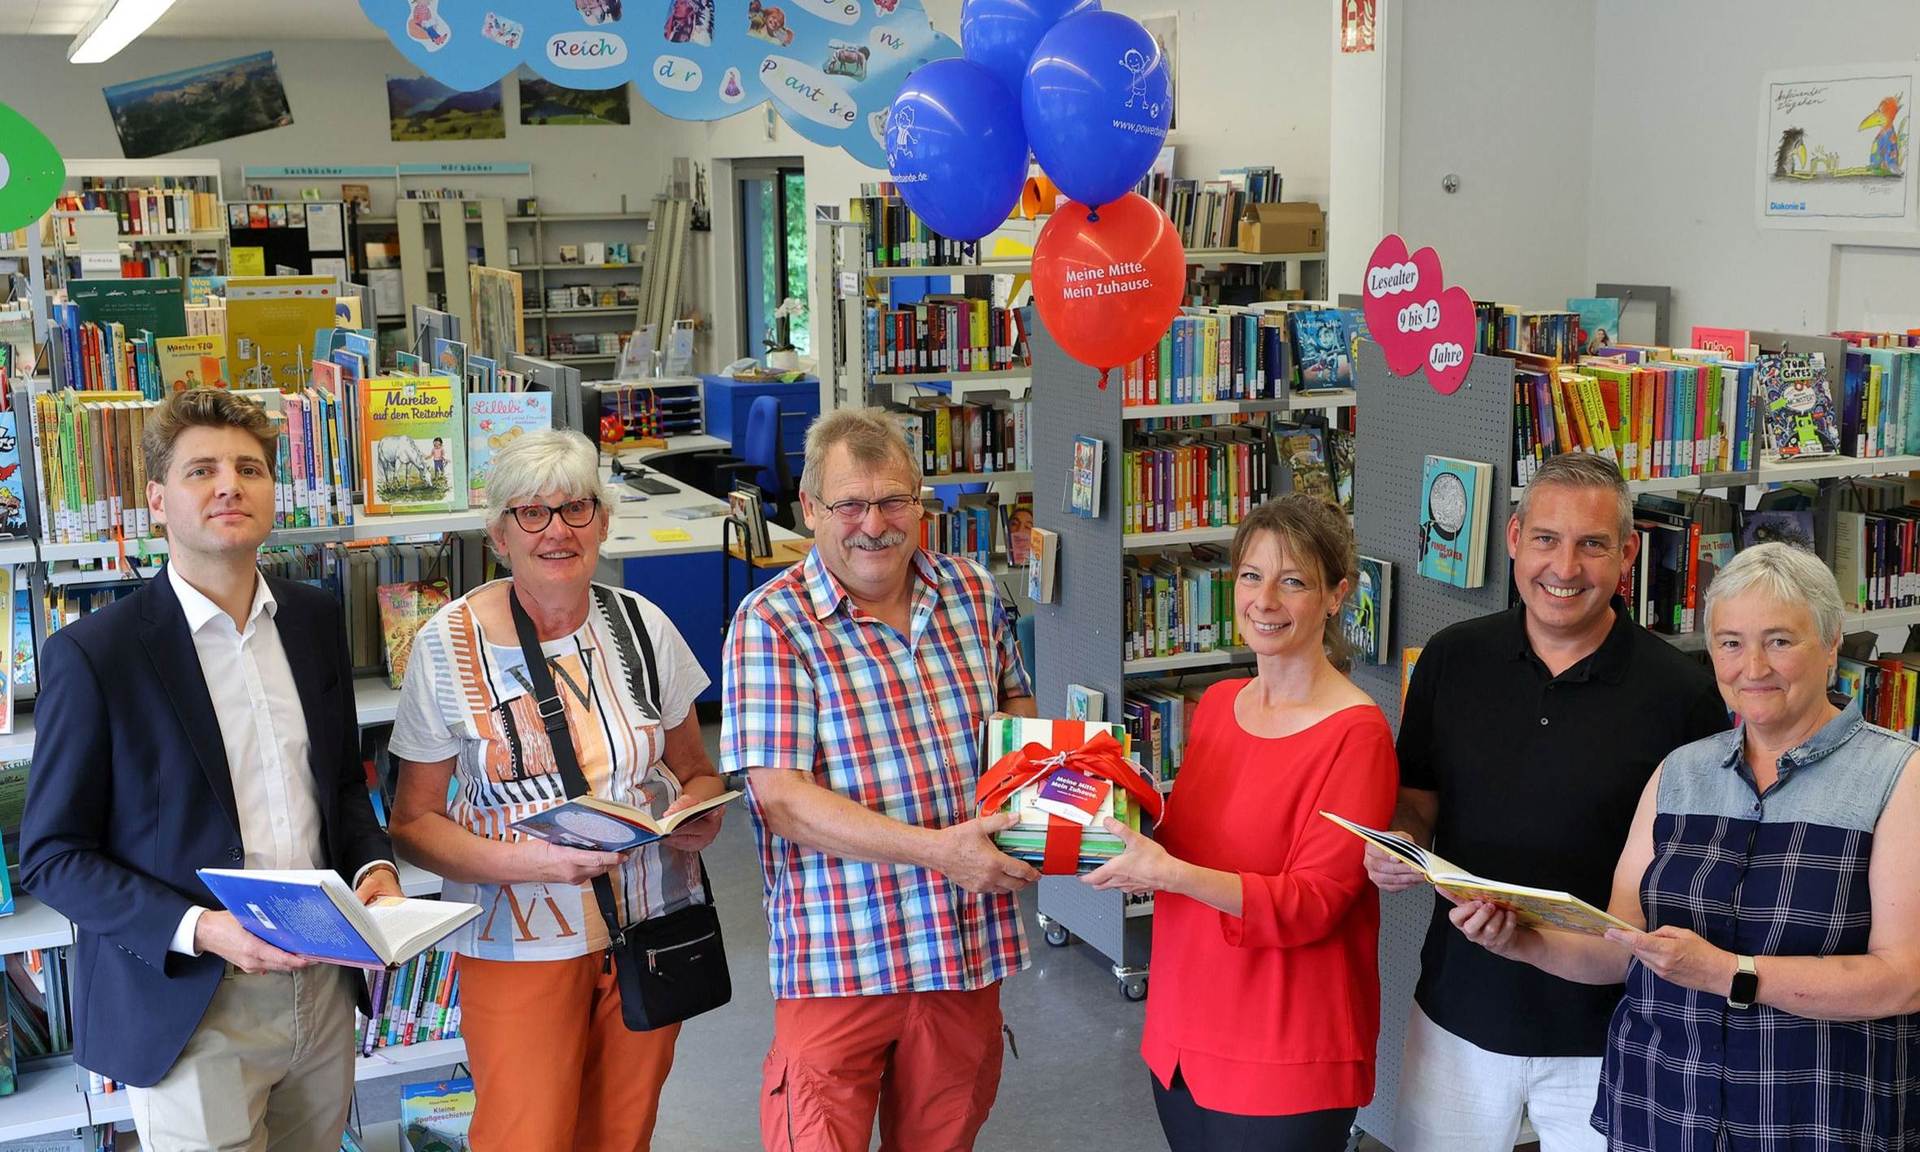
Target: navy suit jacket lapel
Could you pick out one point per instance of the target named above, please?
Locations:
(175, 661)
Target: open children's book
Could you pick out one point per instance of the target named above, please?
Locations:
(608, 826)
(1538, 907)
(312, 913)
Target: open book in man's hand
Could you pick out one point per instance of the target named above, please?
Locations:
(1536, 907)
(597, 825)
(312, 913)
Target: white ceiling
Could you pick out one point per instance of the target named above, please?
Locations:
(204, 19)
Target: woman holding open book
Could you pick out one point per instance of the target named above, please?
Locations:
(1265, 1003)
(1773, 963)
(554, 1064)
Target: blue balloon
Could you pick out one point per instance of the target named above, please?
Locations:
(1096, 103)
(1000, 35)
(956, 149)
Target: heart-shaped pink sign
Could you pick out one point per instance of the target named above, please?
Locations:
(1418, 323)
(1452, 347)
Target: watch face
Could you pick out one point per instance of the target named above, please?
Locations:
(1447, 504)
(1746, 988)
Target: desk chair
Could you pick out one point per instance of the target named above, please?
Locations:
(758, 457)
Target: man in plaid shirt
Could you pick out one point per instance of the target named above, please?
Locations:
(856, 684)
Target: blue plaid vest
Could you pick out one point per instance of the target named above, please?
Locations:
(1780, 874)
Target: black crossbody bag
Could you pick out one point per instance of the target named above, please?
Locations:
(671, 967)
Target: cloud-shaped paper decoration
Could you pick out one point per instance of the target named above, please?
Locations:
(31, 171)
(831, 67)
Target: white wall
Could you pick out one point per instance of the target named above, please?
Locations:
(1363, 162)
(1677, 94)
(1501, 94)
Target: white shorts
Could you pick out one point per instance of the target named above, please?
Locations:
(1459, 1097)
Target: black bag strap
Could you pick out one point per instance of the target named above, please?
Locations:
(553, 716)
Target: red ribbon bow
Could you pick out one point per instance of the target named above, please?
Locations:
(1101, 757)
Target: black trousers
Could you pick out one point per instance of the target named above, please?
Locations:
(1191, 1128)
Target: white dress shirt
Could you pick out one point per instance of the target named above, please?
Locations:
(264, 732)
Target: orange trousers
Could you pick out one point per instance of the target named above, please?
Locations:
(553, 1064)
(927, 1062)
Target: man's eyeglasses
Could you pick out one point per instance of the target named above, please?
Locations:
(574, 514)
(892, 507)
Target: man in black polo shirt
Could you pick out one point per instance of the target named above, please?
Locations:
(1525, 742)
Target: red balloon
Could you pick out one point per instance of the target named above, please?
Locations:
(1107, 284)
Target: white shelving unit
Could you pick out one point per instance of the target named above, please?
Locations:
(1139, 541)
(1187, 661)
(363, 528)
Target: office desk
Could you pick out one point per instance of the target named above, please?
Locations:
(681, 576)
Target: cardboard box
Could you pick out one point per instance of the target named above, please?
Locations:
(1294, 226)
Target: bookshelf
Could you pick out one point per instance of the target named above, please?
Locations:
(541, 239)
(1078, 637)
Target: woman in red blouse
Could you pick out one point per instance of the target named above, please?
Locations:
(1264, 1006)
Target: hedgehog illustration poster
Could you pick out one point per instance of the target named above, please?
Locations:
(1835, 148)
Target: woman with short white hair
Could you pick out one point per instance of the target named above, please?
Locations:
(1773, 966)
(554, 1066)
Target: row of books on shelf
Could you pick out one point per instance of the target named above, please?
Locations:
(946, 334)
(1175, 603)
(1665, 415)
(1206, 213)
(586, 343)
(1867, 531)
(1232, 352)
(176, 204)
(405, 443)
(416, 1002)
(1195, 478)
(1157, 720)
(573, 297)
(1727, 404)
(895, 235)
(970, 437)
(387, 590)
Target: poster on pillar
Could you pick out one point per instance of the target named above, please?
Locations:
(831, 68)
(1420, 324)
(1833, 148)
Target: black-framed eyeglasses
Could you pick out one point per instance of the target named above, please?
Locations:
(892, 507)
(574, 514)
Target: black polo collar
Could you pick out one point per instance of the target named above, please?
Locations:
(1607, 663)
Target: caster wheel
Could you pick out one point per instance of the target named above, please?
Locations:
(1057, 936)
(1134, 990)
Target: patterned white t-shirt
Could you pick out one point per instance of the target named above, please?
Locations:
(467, 696)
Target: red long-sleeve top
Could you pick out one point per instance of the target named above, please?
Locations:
(1275, 1011)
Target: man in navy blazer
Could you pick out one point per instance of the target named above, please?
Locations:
(205, 721)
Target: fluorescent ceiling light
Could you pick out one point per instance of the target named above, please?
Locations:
(116, 25)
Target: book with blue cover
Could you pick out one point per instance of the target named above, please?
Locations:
(1453, 521)
(1599, 322)
(312, 913)
(495, 420)
(595, 825)
(1322, 347)
(435, 1116)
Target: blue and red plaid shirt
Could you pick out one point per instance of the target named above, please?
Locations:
(893, 723)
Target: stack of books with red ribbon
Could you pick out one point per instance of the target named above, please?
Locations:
(1064, 778)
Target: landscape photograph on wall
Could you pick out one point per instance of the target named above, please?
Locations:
(544, 102)
(421, 108)
(199, 105)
